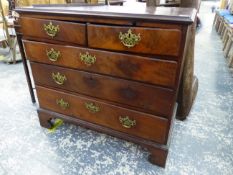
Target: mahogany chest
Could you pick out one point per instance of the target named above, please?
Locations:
(111, 69)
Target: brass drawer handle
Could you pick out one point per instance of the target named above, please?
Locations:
(129, 39)
(51, 30)
(87, 59)
(126, 122)
(58, 78)
(91, 107)
(63, 104)
(53, 55)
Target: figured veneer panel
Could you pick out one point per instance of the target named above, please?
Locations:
(146, 126)
(154, 71)
(68, 31)
(149, 98)
(156, 41)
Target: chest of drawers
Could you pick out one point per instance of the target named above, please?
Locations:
(109, 69)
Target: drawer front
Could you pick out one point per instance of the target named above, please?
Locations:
(135, 123)
(146, 97)
(54, 30)
(135, 39)
(154, 71)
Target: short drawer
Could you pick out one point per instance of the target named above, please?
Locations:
(154, 71)
(54, 30)
(145, 97)
(135, 123)
(135, 39)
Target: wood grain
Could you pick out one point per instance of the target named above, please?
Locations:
(153, 40)
(154, 71)
(68, 31)
(152, 99)
(147, 126)
(184, 16)
(140, 82)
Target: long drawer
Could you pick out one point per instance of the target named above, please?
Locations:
(154, 71)
(156, 41)
(54, 30)
(148, 98)
(136, 123)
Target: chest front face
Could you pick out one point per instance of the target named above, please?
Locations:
(111, 72)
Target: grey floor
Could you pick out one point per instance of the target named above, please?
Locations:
(203, 144)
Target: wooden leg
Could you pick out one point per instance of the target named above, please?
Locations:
(215, 19)
(224, 35)
(152, 3)
(231, 61)
(228, 47)
(223, 30)
(158, 157)
(13, 49)
(45, 120)
(221, 24)
(226, 40)
(28, 77)
(217, 23)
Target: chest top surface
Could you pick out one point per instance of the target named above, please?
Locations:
(164, 14)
